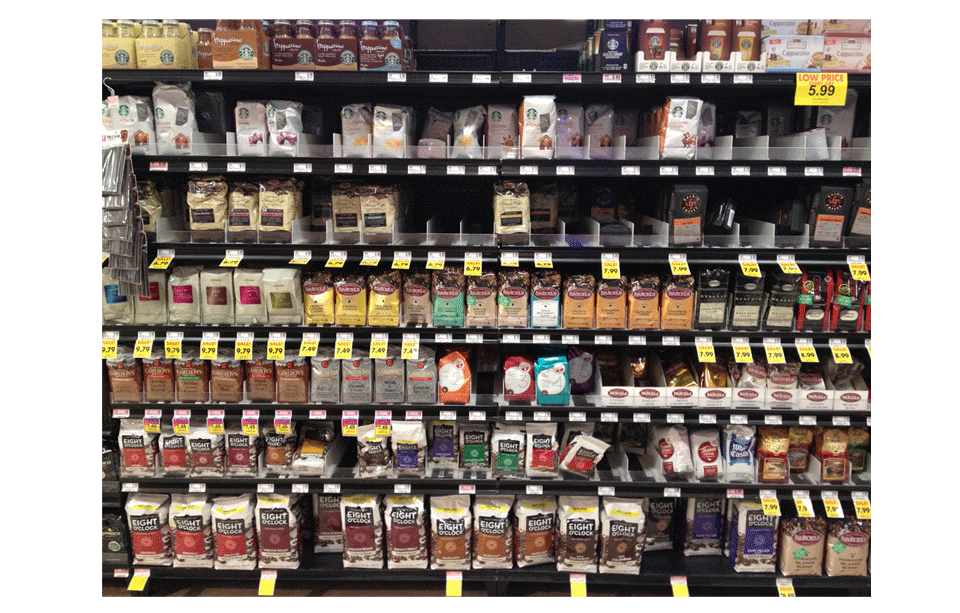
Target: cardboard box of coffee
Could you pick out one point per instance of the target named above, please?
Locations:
(336, 54)
(241, 49)
(288, 53)
(845, 27)
(615, 51)
(848, 54)
(173, 53)
(120, 52)
(785, 27)
(793, 53)
(381, 55)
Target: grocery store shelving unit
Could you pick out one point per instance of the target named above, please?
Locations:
(704, 574)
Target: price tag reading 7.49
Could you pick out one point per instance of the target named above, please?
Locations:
(821, 89)
(343, 350)
(309, 345)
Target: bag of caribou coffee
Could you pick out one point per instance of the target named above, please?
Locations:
(362, 532)
(328, 526)
(534, 521)
(147, 515)
(279, 530)
(704, 530)
(234, 535)
(492, 533)
(192, 531)
(451, 529)
(405, 517)
(578, 531)
(621, 536)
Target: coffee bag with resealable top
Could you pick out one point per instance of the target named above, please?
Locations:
(492, 532)
(362, 531)
(621, 535)
(474, 445)
(235, 537)
(704, 529)
(148, 519)
(405, 519)
(251, 306)
(612, 303)
(513, 300)
(384, 301)
(481, 301)
(328, 525)
(280, 530)
(677, 302)
(417, 299)
(318, 299)
(444, 443)
(534, 522)
(578, 531)
(449, 286)
(183, 288)
(373, 451)
(351, 299)
(579, 301)
(659, 527)
(454, 377)
(409, 442)
(192, 531)
(644, 303)
(508, 449)
(545, 290)
(451, 532)
(283, 295)
(422, 378)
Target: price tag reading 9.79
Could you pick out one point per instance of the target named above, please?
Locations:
(275, 348)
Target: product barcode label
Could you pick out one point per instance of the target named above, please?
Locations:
(448, 415)
(669, 171)
(413, 416)
(732, 493)
(740, 171)
(158, 166)
(570, 339)
(813, 171)
(264, 488)
(608, 417)
(641, 418)
(534, 490)
(773, 420)
(541, 338)
(710, 78)
(708, 419)
(565, 171)
(675, 418)
(603, 339)
(678, 264)
(578, 417)
(541, 416)
(851, 171)
(671, 341)
(343, 169)
(378, 346)
(197, 488)
(511, 339)
(468, 489)
(776, 171)
(301, 257)
(630, 171)
(236, 167)
(396, 77)
(410, 349)
(443, 338)
(671, 492)
(435, 260)
(637, 340)
(841, 420)
(377, 169)
(478, 416)
(474, 339)
(300, 488)
(416, 169)
(456, 170)
(438, 77)
(129, 487)
(486, 170)
(315, 414)
(606, 491)
(514, 416)
(738, 419)
(572, 78)
(212, 75)
(612, 78)
(401, 488)
(198, 167)
(679, 78)
(301, 75)
(522, 78)
(510, 258)
(303, 168)
(808, 420)
(481, 78)
(705, 171)
(331, 488)
(744, 79)
(646, 78)
(529, 170)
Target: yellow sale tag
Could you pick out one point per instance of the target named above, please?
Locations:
(786, 591)
(137, 583)
(578, 587)
(104, 259)
(705, 353)
(229, 262)
(407, 350)
(454, 585)
(862, 507)
(300, 261)
(109, 348)
(181, 427)
(435, 261)
(790, 267)
(275, 350)
(382, 428)
(869, 346)
(250, 429)
(473, 268)
(308, 348)
(378, 350)
(282, 427)
(401, 260)
(742, 354)
(543, 260)
(860, 271)
(679, 268)
(750, 269)
(808, 353)
(770, 506)
(161, 263)
(832, 507)
(143, 349)
(214, 426)
(803, 508)
(267, 584)
(348, 427)
(171, 348)
(335, 261)
(820, 89)
(370, 258)
(151, 425)
(611, 270)
(208, 350)
(841, 355)
(681, 591)
(775, 354)
(343, 350)
(243, 350)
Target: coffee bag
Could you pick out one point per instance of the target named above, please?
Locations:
(545, 292)
(451, 532)
(243, 452)
(409, 442)
(704, 530)
(251, 307)
(847, 547)
(373, 452)
(534, 521)
(739, 442)
(644, 303)
(405, 517)
(753, 538)
(152, 309)
(659, 527)
(192, 531)
(578, 531)
(261, 378)
(284, 123)
(356, 387)
(802, 545)
(310, 456)
(325, 377)
(454, 376)
(705, 448)
(621, 536)
(422, 378)
(205, 452)
(449, 285)
(481, 301)
(553, 380)
(283, 292)
(279, 448)
(513, 300)
(293, 380)
(444, 443)
(582, 455)
(508, 449)
(192, 376)
(183, 287)
(474, 445)
(511, 208)
(279, 530)
(328, 525)
(467, 126)
(138, 450)
(542, 454)
(384, 300)
(538, 126)
(124, 373)
(417, 299)
(207, 203)
(492, 533)
(612, 303)
(772, 448)
(251, 122)
(579, 301)
(672, 451)
(234, 534)
(362, 531)
(216, 296)
(148, 520)
(175, 117)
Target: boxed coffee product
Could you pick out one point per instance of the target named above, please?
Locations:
(716, 38)
(233, 49)
(615, 51)
(846, 54)
(293, 53)
(793, 53)
(335, 53)
(177, 52)
(786, 27)
(381, 54)
(848, 27)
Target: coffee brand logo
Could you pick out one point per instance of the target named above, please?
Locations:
(304, 58)
(682, 393)
(747, 394)
(122, 58)
(690, 203)
(833, 201)
(246, 52)
(347, 58)
(611, 293)
(166, 57)
(677, 112)
(531, 114)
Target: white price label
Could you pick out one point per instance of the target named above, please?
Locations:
(510, 258)
(671, 492)
(396, 77)
(578, 416)
(481, 78)
(734, 493)
(478, 416)
(543, 260)
(197, 488)
(522, 77)
(743, 79)
(129, 487)
(416, 169)
(708, 419)
(776, 171)
(198, 167)
(808, 420)
(413, 416)
(212, 75)
(705, 171)
(570, 339)
(641, 418)
(813, 171)
(630, 171)
(236, 167)
(331, 488)
(606, 491)
(448, 415)
(514, 416)
(841, 420)
(529, 170)
(669, 171)
(377, 169)
(851, 171)
(474, 339)
(121, 413)
(541, 416)
(511, 339)
(637, 340)
(443, 338)
(608, 417)
(346, 169)
(541, 338)
(671, 341)
(303, 76)
(603, 339)
(468, 489)
(401, 488)
(565, 171)
(773, 420)
(679, 78)
(646, 78)
(438, 77)
(303, 168)
(738, 419)
(710, 78)
(674, 418)
(436, 260)
(486, 170)
(264, 488)
(740, 171)
(456, 170)
(534, 490)
(158, 166)
(300, 488)
(612, 78)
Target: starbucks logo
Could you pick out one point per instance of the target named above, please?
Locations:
(347, 58)
(685, 66)
(158, 112)
(246, 52)
(496, 115)
(745, 44)
(531, 114)
(381, 116)
(124, 110)
(122, 58)
(347, 113)
(305, 58)
(719, 65)
(716, 43)
(655, 41)
(677, 112)
(826, 120)
(392, 60)
(592, 116)
(166, 57)
(751, 66)
(271, 112)
(653, 65)
(612, 44)
(243, 113)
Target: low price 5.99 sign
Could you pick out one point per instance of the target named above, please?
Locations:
(821, 89)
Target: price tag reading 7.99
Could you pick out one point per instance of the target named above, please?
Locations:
(741, 351)
(774, 353)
